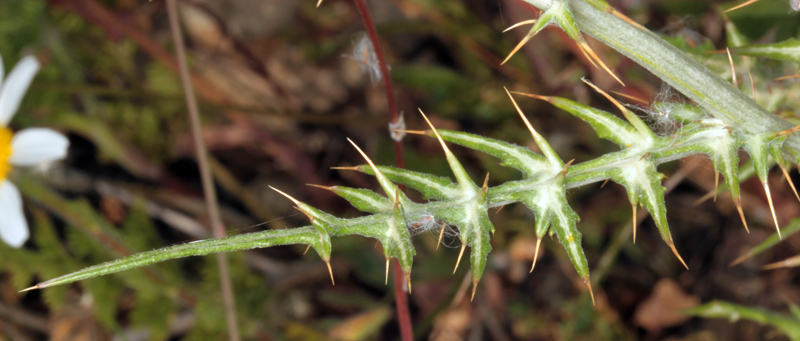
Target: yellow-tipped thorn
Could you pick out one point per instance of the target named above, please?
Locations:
(474, 286)
(589, 286)
(633, 220)
(499, 209)
(741, 215)
(386, 282)
(319, 3)
(30, 288)
(536, 254)
(519, 111)
(295, 201)
(675, 251)
(605, 182)
(772, 209)
(441, 234)
(733, 70)
(347, 168)
(787, 77)
(439, 137)
(414, 132)
(612, 99)
(583, 47)
(716, 184)
(786, 263)
(746, 3)
(485, 186)
(330, 271)
(408, 280)
(526, 22)
(543, 98)
(306, 251)
(738, 260)
(460, 254)
(516, 48)
(591, 55)
(789, 180)
(752, 85)
(632, 98)
(321, 186)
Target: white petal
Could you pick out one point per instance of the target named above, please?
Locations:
(13, 228)
(36, 146)
(15, 87)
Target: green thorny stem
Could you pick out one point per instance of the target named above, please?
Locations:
(723, 122)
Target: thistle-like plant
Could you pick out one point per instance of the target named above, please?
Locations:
(722, 121)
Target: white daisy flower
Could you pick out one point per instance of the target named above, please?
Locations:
(29, 147)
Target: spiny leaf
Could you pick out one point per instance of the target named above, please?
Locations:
(301, 235)
(758, 148)
(786, 50)
(429, 185)
(362, 199)
(606, 125)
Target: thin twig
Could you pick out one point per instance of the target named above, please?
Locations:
(403, 314)
(217, 228)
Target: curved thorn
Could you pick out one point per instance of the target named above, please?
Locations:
(741, 215)
(526, 22)
(633, 220)
(772, 209)
(306, 251)
(295, 201)
(386, 282)
(589, 286)
(566, 167)
(474, 286)
(536, 254)
(330, 271)
(439, 137)
(716, 184)
(675, 251)
(441, 234)
(460, 254)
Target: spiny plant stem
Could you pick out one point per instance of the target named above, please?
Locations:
(401, 300)
(217, 228)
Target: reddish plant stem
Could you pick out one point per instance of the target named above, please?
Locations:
(401, 299)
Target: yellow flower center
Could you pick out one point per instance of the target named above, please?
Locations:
(5, 152)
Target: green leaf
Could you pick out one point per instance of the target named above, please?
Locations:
(431, 186)
(786, 50)
(733, 312)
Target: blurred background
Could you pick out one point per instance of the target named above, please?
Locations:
(281, 86)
